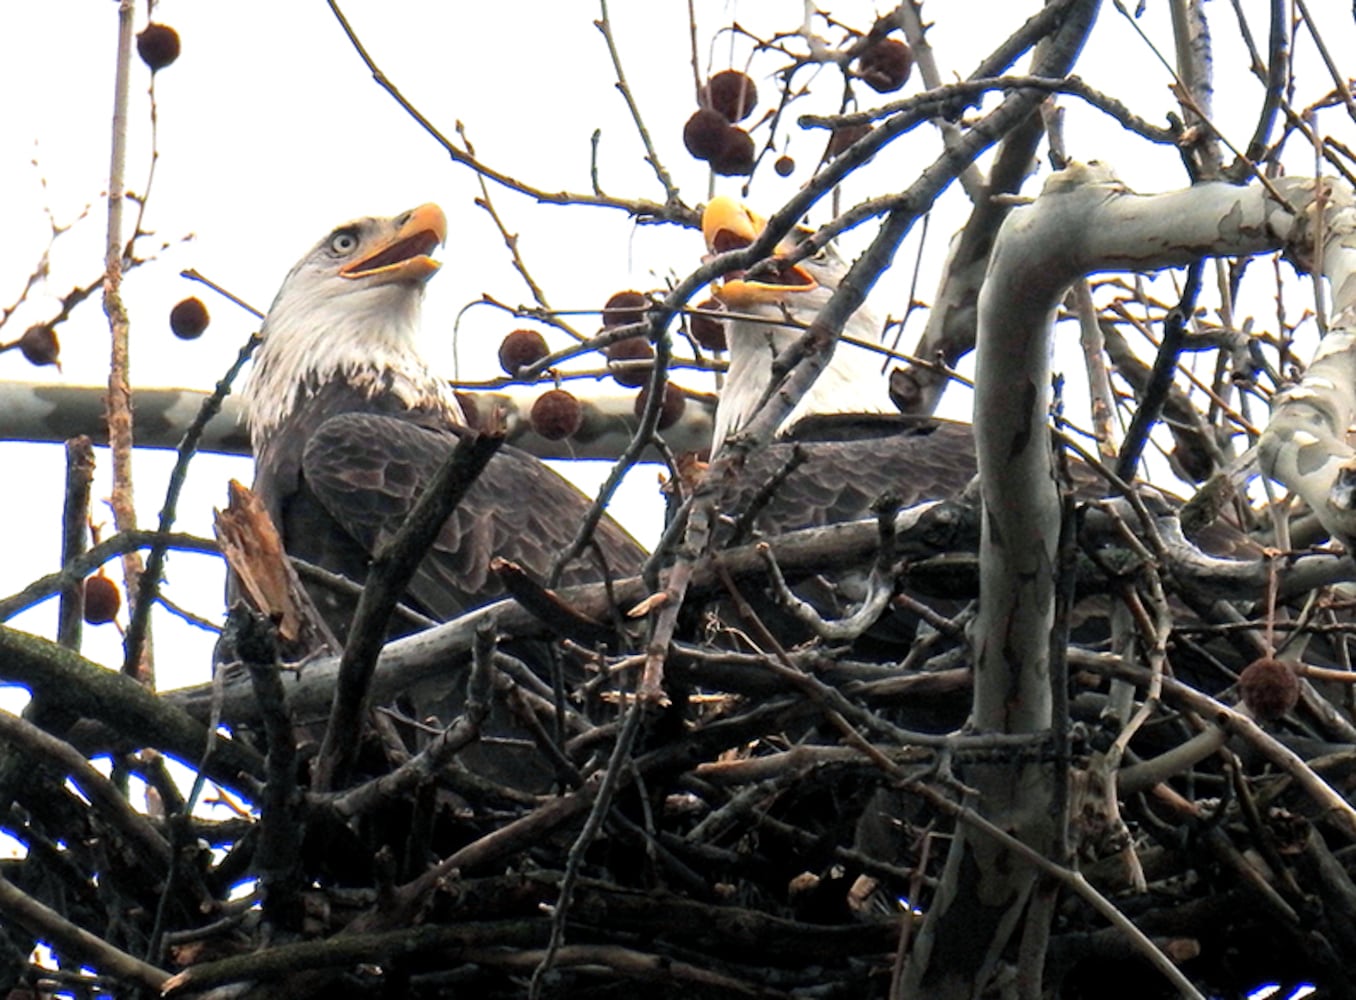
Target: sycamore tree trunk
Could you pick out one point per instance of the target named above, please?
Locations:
(1084, 221)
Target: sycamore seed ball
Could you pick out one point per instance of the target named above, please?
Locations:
(704, 133)
(885, 66)
(158, 46)
(625, 307)
(707, 330)
(1269, 688)
(844, 136)
(39, 345)
(189, 318)
(731, 93)
(102, 600)
(675, 402)
(736, 156)
(520, 349)
(630, 349)
(556, 414)
(784, 166)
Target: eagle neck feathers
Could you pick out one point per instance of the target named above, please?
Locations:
(852, 382)
(366, 341)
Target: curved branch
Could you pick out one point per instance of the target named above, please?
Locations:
(638, 208)
(130, 711)
(74, 940)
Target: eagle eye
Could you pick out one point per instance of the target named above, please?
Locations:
(343, 242)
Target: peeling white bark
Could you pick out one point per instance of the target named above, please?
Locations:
(38, 412)
(1305, 444)
(1084, 221)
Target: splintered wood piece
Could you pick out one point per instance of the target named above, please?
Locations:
(265, 576)
(547, 605)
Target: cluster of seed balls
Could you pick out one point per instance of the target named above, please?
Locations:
(158, 46)
(711, 135)
(39, 344)
(557, 413)
(728, 97)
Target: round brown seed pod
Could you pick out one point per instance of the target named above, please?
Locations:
(785, 166)
(675, 402)
(520, 349)
(158, 46)
(625, 307)
(39, 345)
(189, 318)
(556, 414)
(630, 349)
(1270, 688)
(731, 93)
(885, 66)
(736, 156)
(707, 330)
(844, 136)
(102, 600)
(704, 133)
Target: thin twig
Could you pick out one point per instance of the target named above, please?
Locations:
(188, 447)
(119, 370)
(638, 208)
(602, 803)
(1156, 392)
(71, 939)
(604, 25)
(75, 537)
(78, 568)
(1339, 79)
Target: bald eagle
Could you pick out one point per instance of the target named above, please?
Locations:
(856, 444)
(786, 298)
(857, 447)
(348, 423)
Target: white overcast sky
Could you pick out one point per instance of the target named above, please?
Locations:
(272, 132)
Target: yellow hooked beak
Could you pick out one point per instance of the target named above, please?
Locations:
(728, 225)
(404, 257)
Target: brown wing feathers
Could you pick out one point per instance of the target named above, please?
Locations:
(367, 470)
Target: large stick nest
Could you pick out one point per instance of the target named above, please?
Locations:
(518, 820)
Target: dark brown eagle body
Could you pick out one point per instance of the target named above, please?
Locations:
(359, 473)
(848, 465)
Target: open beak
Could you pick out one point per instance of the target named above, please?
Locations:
(728, 225)
(404, 258)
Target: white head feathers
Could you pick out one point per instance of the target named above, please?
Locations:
(350, 309)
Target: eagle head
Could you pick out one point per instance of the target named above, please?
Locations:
(349, 309)
(772, 287)
(772, 303)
